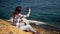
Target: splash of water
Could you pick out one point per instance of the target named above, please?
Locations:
(30, 21)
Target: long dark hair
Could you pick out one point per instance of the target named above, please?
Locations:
(17, 10)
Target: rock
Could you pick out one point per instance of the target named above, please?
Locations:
(7, 28)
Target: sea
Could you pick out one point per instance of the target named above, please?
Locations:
(44, 11)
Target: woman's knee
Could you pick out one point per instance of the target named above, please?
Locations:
(28, 25)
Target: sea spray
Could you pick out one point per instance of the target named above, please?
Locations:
(30, 21)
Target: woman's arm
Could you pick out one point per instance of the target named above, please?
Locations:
(28, 9)
(28, 14)
(25, 21)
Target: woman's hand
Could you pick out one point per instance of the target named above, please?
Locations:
(28, 9)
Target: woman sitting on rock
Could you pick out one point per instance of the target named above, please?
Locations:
(18, 20)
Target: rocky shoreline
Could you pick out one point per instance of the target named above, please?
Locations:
(6, 27)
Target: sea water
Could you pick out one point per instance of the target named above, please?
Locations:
(47, 11)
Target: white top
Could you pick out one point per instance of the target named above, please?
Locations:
(18, 19)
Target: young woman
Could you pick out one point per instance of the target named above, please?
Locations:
(18, 20)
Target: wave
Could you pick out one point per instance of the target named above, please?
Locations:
(30, 21)
(35, 22)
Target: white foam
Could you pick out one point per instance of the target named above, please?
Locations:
(11, 19)
(36, 22)
(30, 21)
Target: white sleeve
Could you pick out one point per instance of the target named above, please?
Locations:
(23, 15)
